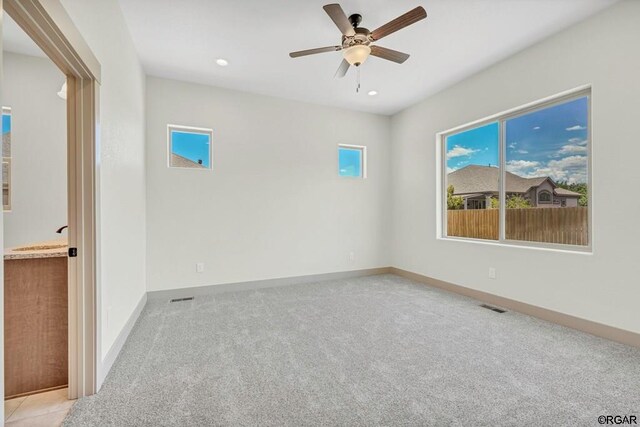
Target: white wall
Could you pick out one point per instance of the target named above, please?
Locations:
(1, 239)
(39, 150)
(121, 168)
(602, 287)
(273, 205)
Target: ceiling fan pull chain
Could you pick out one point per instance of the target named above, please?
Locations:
(358, 79)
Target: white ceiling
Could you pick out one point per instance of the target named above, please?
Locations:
(182, 39)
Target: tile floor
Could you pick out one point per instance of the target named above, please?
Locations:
(38, 410)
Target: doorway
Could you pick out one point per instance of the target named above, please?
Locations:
(49, 26)
(35, 202)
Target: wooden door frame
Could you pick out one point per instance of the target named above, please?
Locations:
(51, 28)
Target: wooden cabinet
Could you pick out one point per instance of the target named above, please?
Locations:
(35, 325)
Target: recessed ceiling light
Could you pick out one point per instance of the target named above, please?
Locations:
(373, 93)
(222, 62)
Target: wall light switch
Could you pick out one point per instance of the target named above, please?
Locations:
(200, 267)
(492, 273)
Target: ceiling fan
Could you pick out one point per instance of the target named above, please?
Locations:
(357, 41)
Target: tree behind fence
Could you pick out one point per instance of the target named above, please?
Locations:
(550, 225)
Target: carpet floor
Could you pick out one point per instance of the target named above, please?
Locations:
(379, 350)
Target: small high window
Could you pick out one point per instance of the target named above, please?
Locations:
(189, 147)
(352, 161)
(6, 158)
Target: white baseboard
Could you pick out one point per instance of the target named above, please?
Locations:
(104, 367)
(594, 328)
(265, 283)
(108, 361)
(584, 325)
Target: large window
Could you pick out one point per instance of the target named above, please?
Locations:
(189, 147)
(536, 160)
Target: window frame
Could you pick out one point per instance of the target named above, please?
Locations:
(502, 118)
(363, 160)
(545, 193)
(194, 130)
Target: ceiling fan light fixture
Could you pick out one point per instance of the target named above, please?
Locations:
(356, 55)
(63, 91)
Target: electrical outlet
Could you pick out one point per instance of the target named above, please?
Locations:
(352, 256)
(492, 273)
(200, 267)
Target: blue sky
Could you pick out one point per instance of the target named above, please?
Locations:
(477, 146)
(349, 162)
(6, 123)
(193, 146)
(550, 142)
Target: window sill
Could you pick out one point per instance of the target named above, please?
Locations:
(549, 247)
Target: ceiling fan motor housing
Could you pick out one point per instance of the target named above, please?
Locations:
(360, 42)
(356, 41)
(362, 37)
(355, 20)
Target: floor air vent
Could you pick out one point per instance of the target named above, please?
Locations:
(181, 299)
(492, 308)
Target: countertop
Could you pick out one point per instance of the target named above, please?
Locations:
(38, 251)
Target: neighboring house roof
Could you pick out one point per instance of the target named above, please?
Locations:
(474, 179)
(564, 192)
(5, 177)
(484, 179)
(6, 144)
(182, 162)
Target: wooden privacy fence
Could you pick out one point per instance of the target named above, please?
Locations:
(550, 225)
(474, 223)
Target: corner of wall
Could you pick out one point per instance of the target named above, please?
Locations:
(106, 363)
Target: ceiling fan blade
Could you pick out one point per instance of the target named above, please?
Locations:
(389, 54)
(338, 16)
(314, 51)
(342, 69)
(399, 23)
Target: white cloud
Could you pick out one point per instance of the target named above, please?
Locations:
(578, 141)
(573, 149)
(572, 169)
(512, 145)
(449, 170)
(576, 127)
(458, 151)
(536, 128)
(522, 152)
(520, 167)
